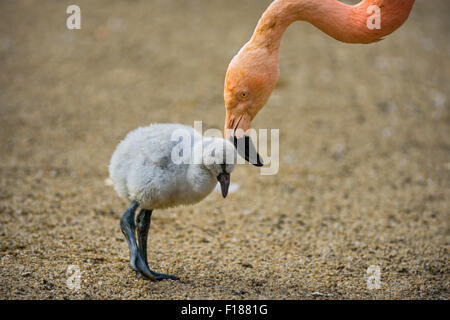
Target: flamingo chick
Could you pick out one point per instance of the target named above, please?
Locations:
(145, 169)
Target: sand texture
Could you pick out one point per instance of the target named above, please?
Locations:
(364, 174)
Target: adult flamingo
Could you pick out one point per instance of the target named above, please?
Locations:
(253, 72)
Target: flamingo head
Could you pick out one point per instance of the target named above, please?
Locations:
(247, 88)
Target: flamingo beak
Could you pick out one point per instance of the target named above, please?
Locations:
(235, 131)
(247, 150)
(224, 180)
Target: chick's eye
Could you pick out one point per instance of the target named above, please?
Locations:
(244, 95)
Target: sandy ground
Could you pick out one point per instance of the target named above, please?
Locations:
(364, 173)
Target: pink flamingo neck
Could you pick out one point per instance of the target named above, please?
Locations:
(346, 23)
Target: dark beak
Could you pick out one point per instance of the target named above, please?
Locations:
(247, 150)
(224, 180)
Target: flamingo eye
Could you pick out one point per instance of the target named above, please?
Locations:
(243, 95)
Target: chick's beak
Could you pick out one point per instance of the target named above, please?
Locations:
(235, 128)
(224, 180)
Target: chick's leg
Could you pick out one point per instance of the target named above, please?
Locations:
(143, 222)
(128, 227)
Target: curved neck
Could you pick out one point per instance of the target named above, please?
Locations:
(346, 23)
(273, 23)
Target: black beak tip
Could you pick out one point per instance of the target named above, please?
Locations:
(259, 162)
(247, 150)
(224, 180)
